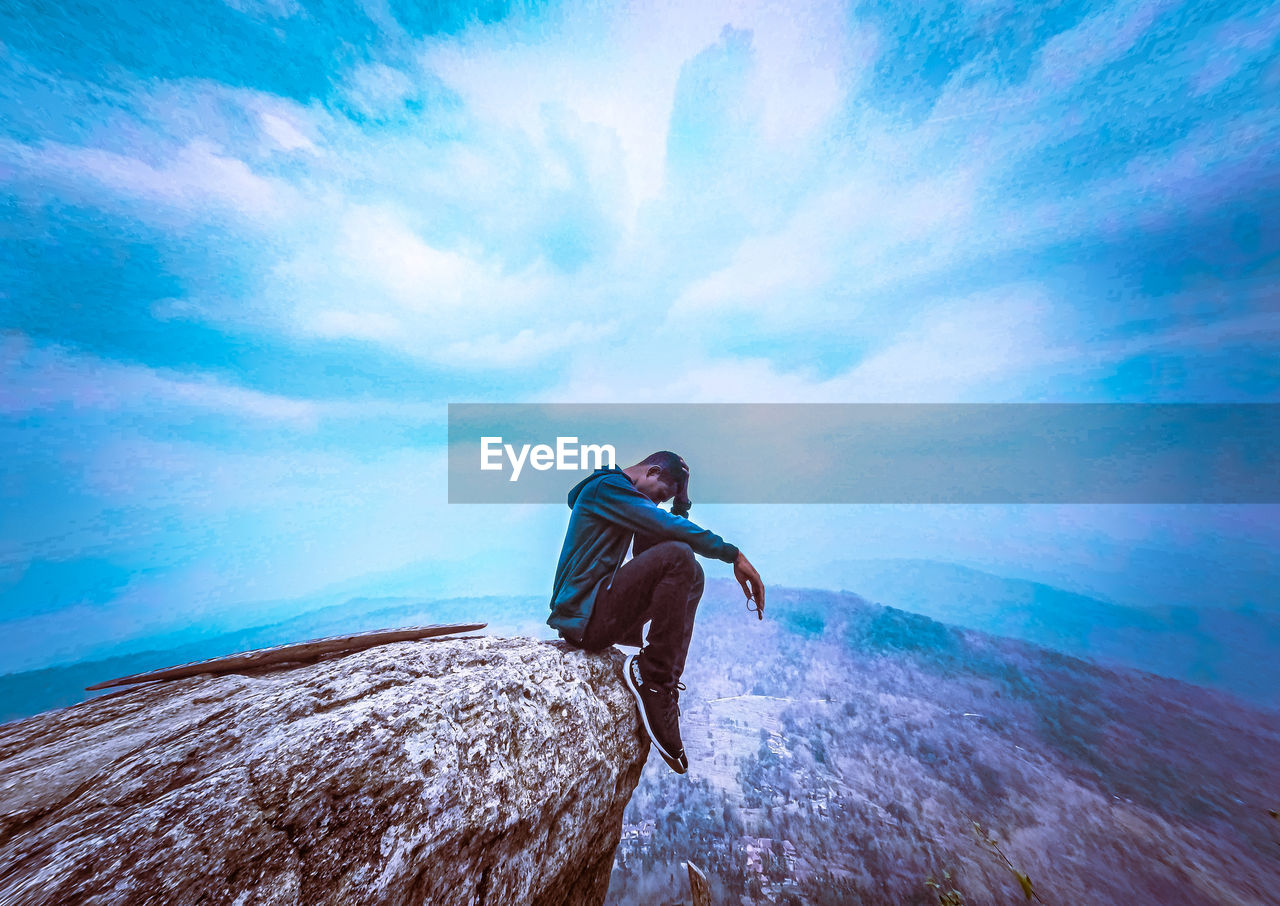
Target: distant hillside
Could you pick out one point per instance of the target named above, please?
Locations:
(24, 694)
(839, 751)
(1228, 648)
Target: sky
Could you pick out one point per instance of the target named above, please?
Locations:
(253, 248)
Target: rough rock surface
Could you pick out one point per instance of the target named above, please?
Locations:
(467, 771)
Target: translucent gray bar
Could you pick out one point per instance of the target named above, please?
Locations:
(887, 453)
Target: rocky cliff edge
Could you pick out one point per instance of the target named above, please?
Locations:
(460, 771)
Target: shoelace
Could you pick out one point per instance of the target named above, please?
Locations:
(674, 692)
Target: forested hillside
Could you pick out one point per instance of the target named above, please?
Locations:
(842, 752)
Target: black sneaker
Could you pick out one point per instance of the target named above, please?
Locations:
(660, 713)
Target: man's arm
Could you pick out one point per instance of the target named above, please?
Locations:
(642, 543)
(750, 581)
(743, 571)
(634, 511)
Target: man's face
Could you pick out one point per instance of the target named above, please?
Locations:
(655, 485)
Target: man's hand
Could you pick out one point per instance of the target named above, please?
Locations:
(749, 579)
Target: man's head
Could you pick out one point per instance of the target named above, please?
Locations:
(662, 476)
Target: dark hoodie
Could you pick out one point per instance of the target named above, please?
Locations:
(607, 511)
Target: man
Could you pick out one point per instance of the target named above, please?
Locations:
(598, 600)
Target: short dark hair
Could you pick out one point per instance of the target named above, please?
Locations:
(675, 468)
(672, 464)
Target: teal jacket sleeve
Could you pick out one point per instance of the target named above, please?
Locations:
(627, 507)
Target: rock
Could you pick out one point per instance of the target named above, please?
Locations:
(468, 771)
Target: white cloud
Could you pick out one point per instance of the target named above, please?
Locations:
(382, 249)
(1256, 331)
(954, 350)
(527, 347)
(846, 240)
(375, 278)
(545, 108)
(639, 370)
(1102, 38)
(35, 378)
(376, 89)
(285, 133)
(951, 350)
(198, 179)
(1236, 44)
(766, 273)
(804, 53)
(364, 325)
(510, 86)
(622, 74)
(53, 375)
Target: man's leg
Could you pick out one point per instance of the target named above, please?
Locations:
(663, 584)
(663, 658)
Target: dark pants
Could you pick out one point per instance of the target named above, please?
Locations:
(663, 584)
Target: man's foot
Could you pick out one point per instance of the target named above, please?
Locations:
(660, 715)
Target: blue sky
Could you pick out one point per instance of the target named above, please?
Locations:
(253, 248)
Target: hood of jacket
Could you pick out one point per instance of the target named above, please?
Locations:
(578, 488)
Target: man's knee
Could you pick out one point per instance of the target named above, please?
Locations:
(699, 582)
(679, 555)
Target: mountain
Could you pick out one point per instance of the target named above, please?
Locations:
(841, 752)
(1232, 649)
(62, 641)
(30, 692)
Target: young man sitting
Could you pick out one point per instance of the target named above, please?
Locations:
(598, 600)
